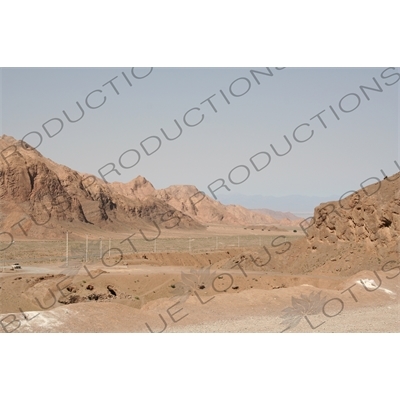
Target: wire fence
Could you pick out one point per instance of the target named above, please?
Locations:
(92, 250)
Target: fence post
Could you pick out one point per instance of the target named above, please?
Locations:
(66, 251)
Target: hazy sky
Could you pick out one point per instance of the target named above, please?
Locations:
(334, 160)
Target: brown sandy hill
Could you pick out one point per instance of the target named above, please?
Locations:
(361, 232)
(50, 198)
(187, 199)
(126, 303)
(371, 215)
(190, 201)
(47, 199)
(138, 188)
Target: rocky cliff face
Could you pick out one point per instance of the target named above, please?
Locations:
(360, 232)
(47, 199)
(40, 198)
(190, 201)
(138, 188)
(371, 215)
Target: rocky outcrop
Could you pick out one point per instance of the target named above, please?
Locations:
(189, 200)
(138, 188)
(360, 232)
(370, 215)
(45, 199)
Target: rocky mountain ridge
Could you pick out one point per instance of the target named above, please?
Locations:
(46, 199)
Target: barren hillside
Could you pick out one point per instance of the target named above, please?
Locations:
(48, 198)
(190, 201)
(42, 199)
(361, 232)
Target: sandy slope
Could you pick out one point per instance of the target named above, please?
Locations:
(255, 308)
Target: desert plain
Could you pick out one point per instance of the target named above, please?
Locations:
(117, 257)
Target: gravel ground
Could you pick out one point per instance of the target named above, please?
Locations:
(379, 319)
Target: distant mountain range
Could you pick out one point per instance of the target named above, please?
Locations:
(277, 214)
(300, 206)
